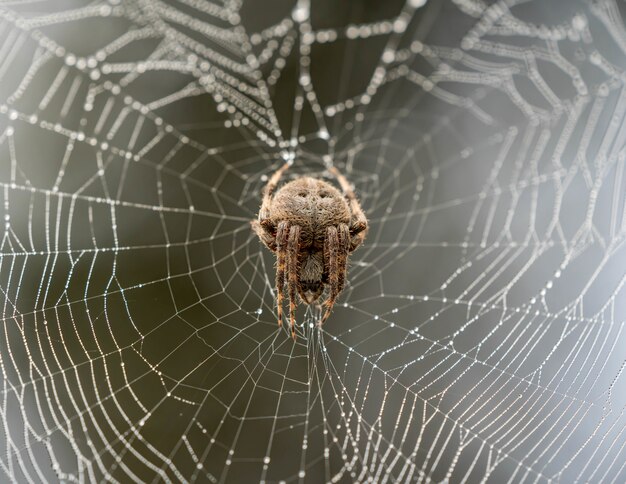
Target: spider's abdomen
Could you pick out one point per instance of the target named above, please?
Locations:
(312, 204)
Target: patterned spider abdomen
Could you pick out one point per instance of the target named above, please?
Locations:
(312, 204)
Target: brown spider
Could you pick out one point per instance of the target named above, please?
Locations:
(312, 227)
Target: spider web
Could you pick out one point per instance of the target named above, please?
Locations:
(481, 333)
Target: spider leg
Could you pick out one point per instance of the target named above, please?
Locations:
(359, 226)
(292, 272)
(264, 234)
(358, 236)
(268, 191)
(281, 249)
(344, 250)
(263, 226)
(331, 247)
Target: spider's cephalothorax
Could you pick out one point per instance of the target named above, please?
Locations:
(312, 227)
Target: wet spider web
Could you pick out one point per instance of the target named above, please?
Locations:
(481, 333)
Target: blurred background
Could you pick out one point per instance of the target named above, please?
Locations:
(481, 333)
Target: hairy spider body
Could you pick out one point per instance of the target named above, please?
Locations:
(312, 227)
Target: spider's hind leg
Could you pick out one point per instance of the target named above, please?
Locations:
(359, 226)
(264, 234)
(268, 191)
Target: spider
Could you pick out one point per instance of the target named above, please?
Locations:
(312, 227)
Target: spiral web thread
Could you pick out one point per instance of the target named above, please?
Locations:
(480, 335)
